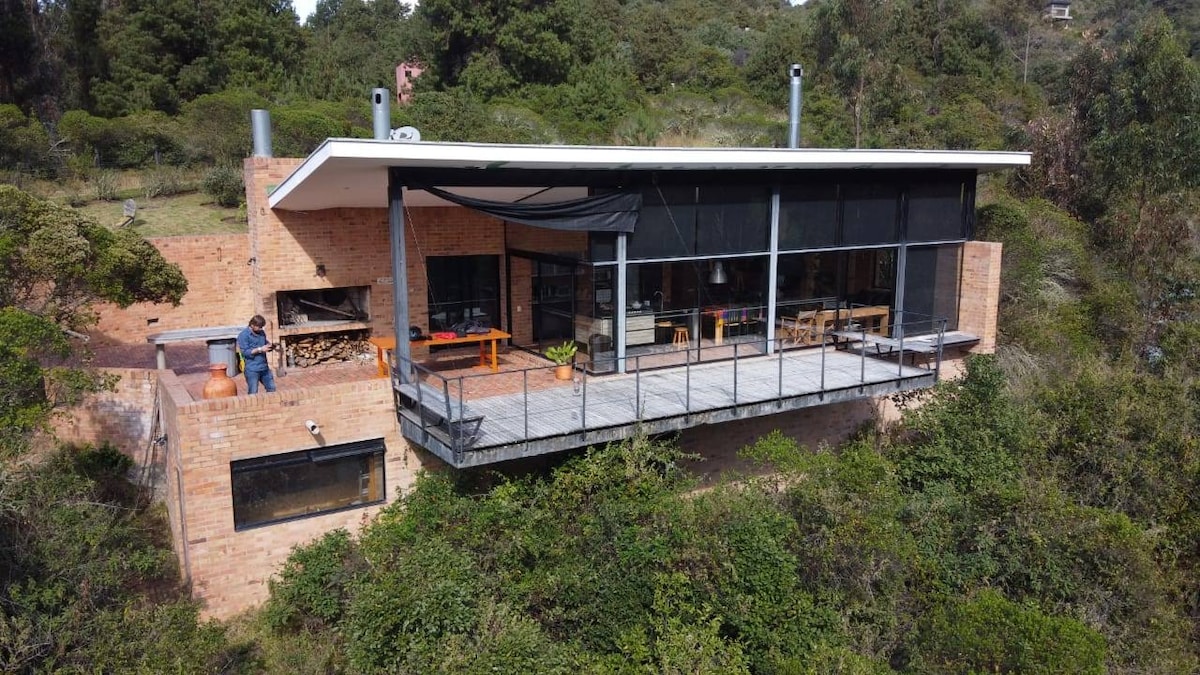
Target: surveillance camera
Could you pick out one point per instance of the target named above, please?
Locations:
(313, 428)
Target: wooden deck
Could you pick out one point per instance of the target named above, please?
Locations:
(602, 408)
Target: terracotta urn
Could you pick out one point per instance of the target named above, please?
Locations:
(219, 383)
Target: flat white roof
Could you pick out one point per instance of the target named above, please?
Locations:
(353, 172)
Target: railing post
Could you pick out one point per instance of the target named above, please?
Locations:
(458, 436)
(525, 395)
(687, 384)
(937, 369)
(823, 347)
(583, 403)
(735, 379)
(779, 396)
(900, 367)
(862, 350)
(637, 388)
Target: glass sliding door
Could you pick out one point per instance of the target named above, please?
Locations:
(463, 287)
(553, 302)
(931, 287)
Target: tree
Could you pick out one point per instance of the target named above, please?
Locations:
(54, 265)
(1136, 113)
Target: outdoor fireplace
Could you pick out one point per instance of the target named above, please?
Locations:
(323, 306)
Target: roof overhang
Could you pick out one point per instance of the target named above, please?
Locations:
(354, 172)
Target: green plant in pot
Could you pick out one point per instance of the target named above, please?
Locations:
(563, 355)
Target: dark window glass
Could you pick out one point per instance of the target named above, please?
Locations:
(808, 216)
(931, 287)
(732, 219)
(869, 214)
(305, 483)
(463, 287)
(602, 246)
(810, 280)
(871, 277)
(935, 211)
(667, 226)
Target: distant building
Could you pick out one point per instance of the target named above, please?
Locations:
(406, 74)
(1059, 10)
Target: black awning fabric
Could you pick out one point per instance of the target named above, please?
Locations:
(610, 212)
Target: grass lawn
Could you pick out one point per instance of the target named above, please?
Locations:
(183, 214)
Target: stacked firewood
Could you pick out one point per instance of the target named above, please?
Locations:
(303, 352)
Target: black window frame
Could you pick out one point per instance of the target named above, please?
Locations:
(371, 449)
(470, 270)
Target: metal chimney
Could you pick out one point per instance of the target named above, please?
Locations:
(797, 72)
(381, 113)
(260, 131)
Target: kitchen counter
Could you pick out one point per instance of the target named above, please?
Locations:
(639, 328)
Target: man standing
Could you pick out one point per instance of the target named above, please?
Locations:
(253, 345)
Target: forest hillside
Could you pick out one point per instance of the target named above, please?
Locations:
(1041, 515)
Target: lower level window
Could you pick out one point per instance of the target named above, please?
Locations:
(306, 483)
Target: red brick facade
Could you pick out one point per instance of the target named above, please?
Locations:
(979, 294)
(218, 293)
(229, 569)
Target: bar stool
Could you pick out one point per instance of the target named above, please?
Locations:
(681, 338)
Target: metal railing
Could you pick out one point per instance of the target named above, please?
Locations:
(437, 401)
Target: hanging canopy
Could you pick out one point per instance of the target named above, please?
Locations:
(609, 212)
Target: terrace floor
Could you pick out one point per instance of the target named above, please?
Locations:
(521, 413)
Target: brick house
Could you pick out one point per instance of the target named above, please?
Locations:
(712, 293)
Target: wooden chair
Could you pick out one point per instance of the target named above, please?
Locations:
(799, 329)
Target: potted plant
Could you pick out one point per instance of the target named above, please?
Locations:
(563, 355)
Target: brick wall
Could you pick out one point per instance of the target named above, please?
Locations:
(218, 291)
(353, 245)
(229, 569)
(979, 300)
(121, 417)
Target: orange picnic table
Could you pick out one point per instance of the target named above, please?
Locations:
(383, 343)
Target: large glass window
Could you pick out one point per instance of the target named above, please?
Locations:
(463, 287)
(305, 483)
(732, 219)
(666, 227)
(808, 216)
(935, 211)
(931, 287)
(869, 213)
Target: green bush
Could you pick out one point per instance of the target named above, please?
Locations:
(88, 582)
(106, 185)
(224, 185)
(989, 634)
(311, 589)
(164, 182)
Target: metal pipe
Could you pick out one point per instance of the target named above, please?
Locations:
(797, 73)
(260, 131)
(381, 113)
(735, 383)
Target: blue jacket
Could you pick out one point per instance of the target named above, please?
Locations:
(248, 340)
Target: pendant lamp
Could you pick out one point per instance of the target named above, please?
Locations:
(718, 274)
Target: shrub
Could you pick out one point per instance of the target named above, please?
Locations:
(311, 589)
(106, 186)
(988, 633)
(164, 182)
(224, 184)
